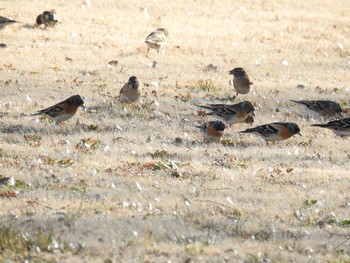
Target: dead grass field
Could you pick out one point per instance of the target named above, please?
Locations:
(145, 187)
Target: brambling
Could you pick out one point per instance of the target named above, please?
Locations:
(340, 127)
(63, 110)
(47, 18)
(130, 92)
(277, 131)
(157, 39)
(212, 131)
(323, 107)
(241, 81)
(6, 21)
(231, 114)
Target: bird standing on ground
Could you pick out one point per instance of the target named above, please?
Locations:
(277, 131)
(63, 110)
(340, 127)
(212, 131)
(47, 18)
(130, 92)
(241, 81)
(231, 114)
(322, 107)
(157, 39)
(6, 21)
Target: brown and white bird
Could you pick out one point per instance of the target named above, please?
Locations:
(233, 113)
(6, 21)
(340, 127)
(131, 91)
(212, 131)
(241, 81)
(322, 107)
(157, 39)
(277, 131)
(63, 110)
(47, 18)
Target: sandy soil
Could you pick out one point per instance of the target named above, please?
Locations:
(145, 187)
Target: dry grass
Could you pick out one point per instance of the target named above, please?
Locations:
(131, 184)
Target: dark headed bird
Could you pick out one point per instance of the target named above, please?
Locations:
(233, 113)
(241, 81)
(277, 131)
(130, 92)
(63, 110)
(322, 107)
(340, 127)
(212, 131)
(47, 18)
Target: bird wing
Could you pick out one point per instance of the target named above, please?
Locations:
(52, 111)
(156, 36)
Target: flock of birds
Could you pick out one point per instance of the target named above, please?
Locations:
(230, 114)
(272, 132)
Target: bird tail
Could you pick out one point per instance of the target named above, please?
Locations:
(319, 125)
(298, 101)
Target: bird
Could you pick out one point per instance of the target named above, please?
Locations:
(277, 131)
(231, 113)
(130, 92)
(47, 18)
(212, 131)
(6, 21)
(340, 127)
(323, 107)
(241, 81)
(63, 110)
(157, 39)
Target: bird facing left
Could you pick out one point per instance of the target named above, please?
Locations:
(63, 110)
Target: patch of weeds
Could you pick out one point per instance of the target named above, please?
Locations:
(32, 139)
(87, 144)
(206, 85)
(80, 189)
(231, 162)
(263, 235)
(48, 160)
(65, 162)
(2, 153)
(140, 111)
(308, 203)
(227, 142)
(20, 184)
(102, 85)
(252, 258)
(15, 244)
(194, 248)
(167, 166)
(183, 97)
(162, 154)
(345, 223)
(90, 127)
(94, 110)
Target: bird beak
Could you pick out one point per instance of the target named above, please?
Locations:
(252, 114)
(299, 133)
